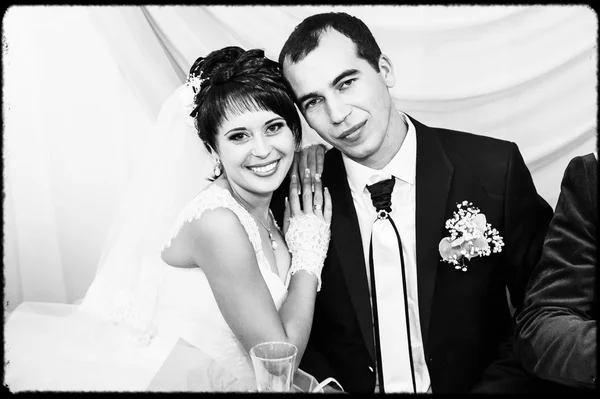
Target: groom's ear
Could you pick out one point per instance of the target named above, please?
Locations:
(386, 69)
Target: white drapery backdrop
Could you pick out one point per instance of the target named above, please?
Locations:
(83, 86)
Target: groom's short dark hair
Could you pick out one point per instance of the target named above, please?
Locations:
(305, 37)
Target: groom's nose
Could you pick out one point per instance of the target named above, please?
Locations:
(337, 110)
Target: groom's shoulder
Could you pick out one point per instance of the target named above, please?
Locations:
(489, 157)
(473, 145)
(465, 139)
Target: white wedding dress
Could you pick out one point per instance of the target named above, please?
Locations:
(76, 351)
(187, 305)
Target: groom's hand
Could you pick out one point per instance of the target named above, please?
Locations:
(311, 158)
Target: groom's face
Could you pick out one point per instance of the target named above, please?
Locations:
(343, 98)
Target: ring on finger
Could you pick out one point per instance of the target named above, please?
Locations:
(317, 207)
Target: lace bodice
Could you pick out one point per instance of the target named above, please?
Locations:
(187, 306)
(216, 197)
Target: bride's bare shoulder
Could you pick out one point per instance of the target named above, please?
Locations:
(214, 233)
(215, 222)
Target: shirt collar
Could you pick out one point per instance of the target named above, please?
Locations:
(402, 166)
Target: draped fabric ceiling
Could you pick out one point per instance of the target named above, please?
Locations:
(85, 84)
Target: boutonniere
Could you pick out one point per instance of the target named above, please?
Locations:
(470, 236)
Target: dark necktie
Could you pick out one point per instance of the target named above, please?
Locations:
(381, 196)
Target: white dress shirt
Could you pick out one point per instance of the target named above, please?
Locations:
(403, 167)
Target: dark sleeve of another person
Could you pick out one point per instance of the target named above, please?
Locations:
(556, 330)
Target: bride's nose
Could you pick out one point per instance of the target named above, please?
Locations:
(261, 147)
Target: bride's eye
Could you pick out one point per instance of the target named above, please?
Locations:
(275, 127)
(237, 136)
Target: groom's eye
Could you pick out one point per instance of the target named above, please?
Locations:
(347, 83)
(311, 103)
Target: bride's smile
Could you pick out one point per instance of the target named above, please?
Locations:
(265, 169)
(256, 149)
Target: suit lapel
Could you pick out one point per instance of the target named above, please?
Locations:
(346, 241)
(434, 177)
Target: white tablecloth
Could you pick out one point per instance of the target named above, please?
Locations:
(43, 355)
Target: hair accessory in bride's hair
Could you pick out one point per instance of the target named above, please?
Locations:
(195, 82)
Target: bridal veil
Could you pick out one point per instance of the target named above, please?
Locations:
(109, 341)
(174, 168)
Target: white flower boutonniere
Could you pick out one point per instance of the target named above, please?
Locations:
(470, 236)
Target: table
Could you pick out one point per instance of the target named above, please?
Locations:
(185, 369)
(44, 357)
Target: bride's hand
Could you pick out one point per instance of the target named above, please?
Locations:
(311, 157)
(306, 227)
(317, 202)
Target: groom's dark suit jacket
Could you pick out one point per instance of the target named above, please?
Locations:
(464, 316)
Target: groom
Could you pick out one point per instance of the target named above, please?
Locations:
(457, 323)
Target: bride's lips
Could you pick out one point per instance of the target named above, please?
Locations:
(264, 169)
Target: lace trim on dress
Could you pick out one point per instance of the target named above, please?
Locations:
(211, 198)
(216, 197)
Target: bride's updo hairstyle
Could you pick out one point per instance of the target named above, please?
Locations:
(233, 81)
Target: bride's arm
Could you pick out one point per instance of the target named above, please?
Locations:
(221, 247)
(307, 236)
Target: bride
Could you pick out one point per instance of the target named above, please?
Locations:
(224, 277)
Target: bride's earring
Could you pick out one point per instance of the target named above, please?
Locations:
(218, 168)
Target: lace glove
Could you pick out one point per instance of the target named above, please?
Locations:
(307, 239)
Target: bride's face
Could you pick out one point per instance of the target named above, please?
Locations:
(256, 150)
